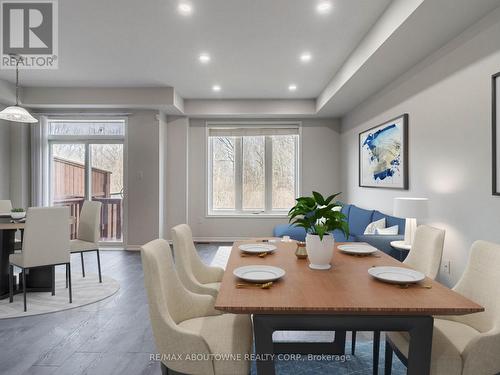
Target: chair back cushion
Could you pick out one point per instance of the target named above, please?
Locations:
(190, 267)
(480, 282)
(46, 236)
(5, 205)
(90, 222)
(427, 250)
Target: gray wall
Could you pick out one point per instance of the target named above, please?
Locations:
(319, 171)
(4, 159)
(448, 99)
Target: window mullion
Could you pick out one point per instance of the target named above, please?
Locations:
(268, 157)
(238, 163)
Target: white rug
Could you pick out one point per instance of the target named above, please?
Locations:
(85, 291)
(221, 257)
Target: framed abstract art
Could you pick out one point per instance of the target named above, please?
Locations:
(383, 155)
(495, 126)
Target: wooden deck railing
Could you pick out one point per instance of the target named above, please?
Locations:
(111, 216)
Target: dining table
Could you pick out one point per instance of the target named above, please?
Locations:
(38, 279)
(345, 297)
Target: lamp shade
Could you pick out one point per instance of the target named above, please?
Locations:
(17, 114)
(414, 208)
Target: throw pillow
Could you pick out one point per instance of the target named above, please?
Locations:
(373, 226)
(391, 231)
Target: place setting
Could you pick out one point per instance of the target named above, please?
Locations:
(258, 276)
(359, 249)
(400, 276)
(260, 250)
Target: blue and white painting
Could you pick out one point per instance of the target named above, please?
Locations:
(383, 155)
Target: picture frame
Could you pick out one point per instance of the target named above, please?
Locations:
(495, 132)
(383, 155)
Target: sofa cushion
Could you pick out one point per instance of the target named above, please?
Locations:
(295, 233)
(374, 225)
(390, 221)
(359, 219)
(340, 236)
(383, 243)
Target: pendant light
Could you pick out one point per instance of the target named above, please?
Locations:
(16, 113)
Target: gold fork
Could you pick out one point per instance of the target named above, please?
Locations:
(406, 286)
(261, 286)
(260, 255)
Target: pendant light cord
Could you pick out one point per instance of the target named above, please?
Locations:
(18, 60)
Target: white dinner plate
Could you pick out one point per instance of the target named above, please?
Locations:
(358, 249)
(396, 275)
(259, 274)
(257, 248)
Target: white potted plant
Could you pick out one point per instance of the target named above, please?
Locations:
(17, 213)
(319, 216)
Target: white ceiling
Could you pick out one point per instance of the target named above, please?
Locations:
(254, 45)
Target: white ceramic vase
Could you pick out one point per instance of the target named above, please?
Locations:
(18, 215)
(319, 251)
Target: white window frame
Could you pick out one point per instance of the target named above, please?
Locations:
(87, 140)
(238, 211)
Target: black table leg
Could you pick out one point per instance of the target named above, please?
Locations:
(6, 248)
(419, 352)
(263, 345)
(419, 327)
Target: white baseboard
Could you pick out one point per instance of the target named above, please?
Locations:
(220, 239)
(133, 248)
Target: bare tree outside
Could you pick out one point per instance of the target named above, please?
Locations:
(223, 172)
(284, 171)
(252, 161)
(254, 173)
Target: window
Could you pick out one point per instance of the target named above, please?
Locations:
(252, 169)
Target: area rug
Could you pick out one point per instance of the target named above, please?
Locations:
(85, 291)
(221, 257)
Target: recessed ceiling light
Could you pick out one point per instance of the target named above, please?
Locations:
(216, 88)
(305, 57)
(324, 7)
(292, 87)
(185, 8)
(204, 58)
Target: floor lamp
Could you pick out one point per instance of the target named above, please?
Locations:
(411, 209)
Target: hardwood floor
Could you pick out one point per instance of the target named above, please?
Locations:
(112, 336)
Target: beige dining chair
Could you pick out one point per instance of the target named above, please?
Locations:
(46, 243)
(425, 256)
(185, 323)
(89, 232)
(469, 344)
(194, 274)
(5, 206)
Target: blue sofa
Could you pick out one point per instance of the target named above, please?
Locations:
(358, 219)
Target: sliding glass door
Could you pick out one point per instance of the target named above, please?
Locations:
(89, 169)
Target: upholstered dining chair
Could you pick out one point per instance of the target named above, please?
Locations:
(46, 243)
(425, 256)
(5, 206)
(469, 344)
(194, 274)
(186, 323)
(87, 238)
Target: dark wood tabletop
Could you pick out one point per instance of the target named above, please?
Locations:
(346, 288)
